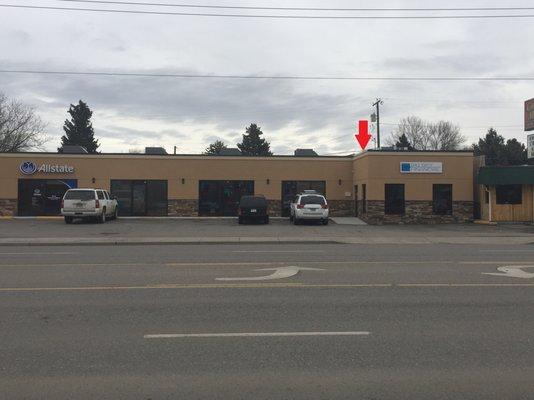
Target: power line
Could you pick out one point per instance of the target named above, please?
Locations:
(275, 77)
(135, 3)
(337, 17)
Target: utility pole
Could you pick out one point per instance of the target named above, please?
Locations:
(377, 105)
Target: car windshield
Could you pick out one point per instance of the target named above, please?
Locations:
(312, 200)
(80, 195)
(249, 201)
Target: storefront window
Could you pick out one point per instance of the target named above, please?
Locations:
(509, 194)
(394, 204)
(442, 199)
(221, 198)
(42, 196)
(140, 197)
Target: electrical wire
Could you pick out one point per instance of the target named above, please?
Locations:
(274, 77)
(316, 17)
(136, 3)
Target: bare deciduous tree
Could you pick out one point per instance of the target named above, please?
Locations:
(21, 129)
(443, 135)
(415, 130)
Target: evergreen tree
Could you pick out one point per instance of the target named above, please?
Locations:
(403, 143)
(516, 152)
(253, 144)
(79, 130)
(498, 152)
(215, 148)
(492, 147)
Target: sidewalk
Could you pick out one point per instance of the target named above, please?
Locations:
(35, 232)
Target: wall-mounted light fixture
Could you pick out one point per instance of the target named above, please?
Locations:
(268, 181)
(93, 180)
(183, 181)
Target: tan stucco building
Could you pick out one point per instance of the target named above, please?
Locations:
(378, 186)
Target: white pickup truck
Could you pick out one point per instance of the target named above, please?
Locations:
(88, 204)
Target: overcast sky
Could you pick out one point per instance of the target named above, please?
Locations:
(134, 112)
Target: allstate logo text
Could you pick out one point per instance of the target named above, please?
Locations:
(29, 168)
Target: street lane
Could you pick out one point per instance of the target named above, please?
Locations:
(442, 342)
(146, 266)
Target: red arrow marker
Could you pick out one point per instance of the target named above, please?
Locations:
(363, 136)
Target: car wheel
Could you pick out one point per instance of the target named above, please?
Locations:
(116, 214)
(68, 220)
(102, 217)
(325, 221)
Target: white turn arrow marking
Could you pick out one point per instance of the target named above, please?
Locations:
(513, 272)
(279, 273)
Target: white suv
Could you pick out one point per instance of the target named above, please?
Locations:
(88, 204)
(309, 205)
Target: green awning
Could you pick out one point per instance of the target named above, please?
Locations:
(520, 174)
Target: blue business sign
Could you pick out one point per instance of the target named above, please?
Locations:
(420, 167)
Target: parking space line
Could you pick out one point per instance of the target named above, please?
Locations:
(252, 334)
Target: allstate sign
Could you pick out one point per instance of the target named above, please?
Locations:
(30, 168)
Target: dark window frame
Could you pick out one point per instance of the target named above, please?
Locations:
(509, 194)
(437, 204)
(390, 206)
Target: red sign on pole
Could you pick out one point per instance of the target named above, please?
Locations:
(363, 136)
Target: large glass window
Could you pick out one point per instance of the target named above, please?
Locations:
(442, 199)
(42, 196)
(394, 204)
(509, 194)
(221, 198)
(140, 197)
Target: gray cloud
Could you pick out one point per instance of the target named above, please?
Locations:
(322, 114)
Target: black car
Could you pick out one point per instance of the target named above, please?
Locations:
(253, 208)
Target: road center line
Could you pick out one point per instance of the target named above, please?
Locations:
(265, 286)
(278, 251)
(37, 254)
(266, 264)
(252, 334)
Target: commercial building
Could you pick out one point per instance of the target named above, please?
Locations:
(507, 193)
(383, 186)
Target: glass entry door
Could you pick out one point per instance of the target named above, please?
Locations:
(291, 188)
(139, 198)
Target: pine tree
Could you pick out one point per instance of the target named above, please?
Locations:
(253, 144)
(403, 143)
(79, 130)
(497, 152)
(215, 148)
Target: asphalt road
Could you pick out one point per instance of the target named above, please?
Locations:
(375, 322)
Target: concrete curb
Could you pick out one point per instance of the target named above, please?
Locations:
(126, 241)
(161, 241)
